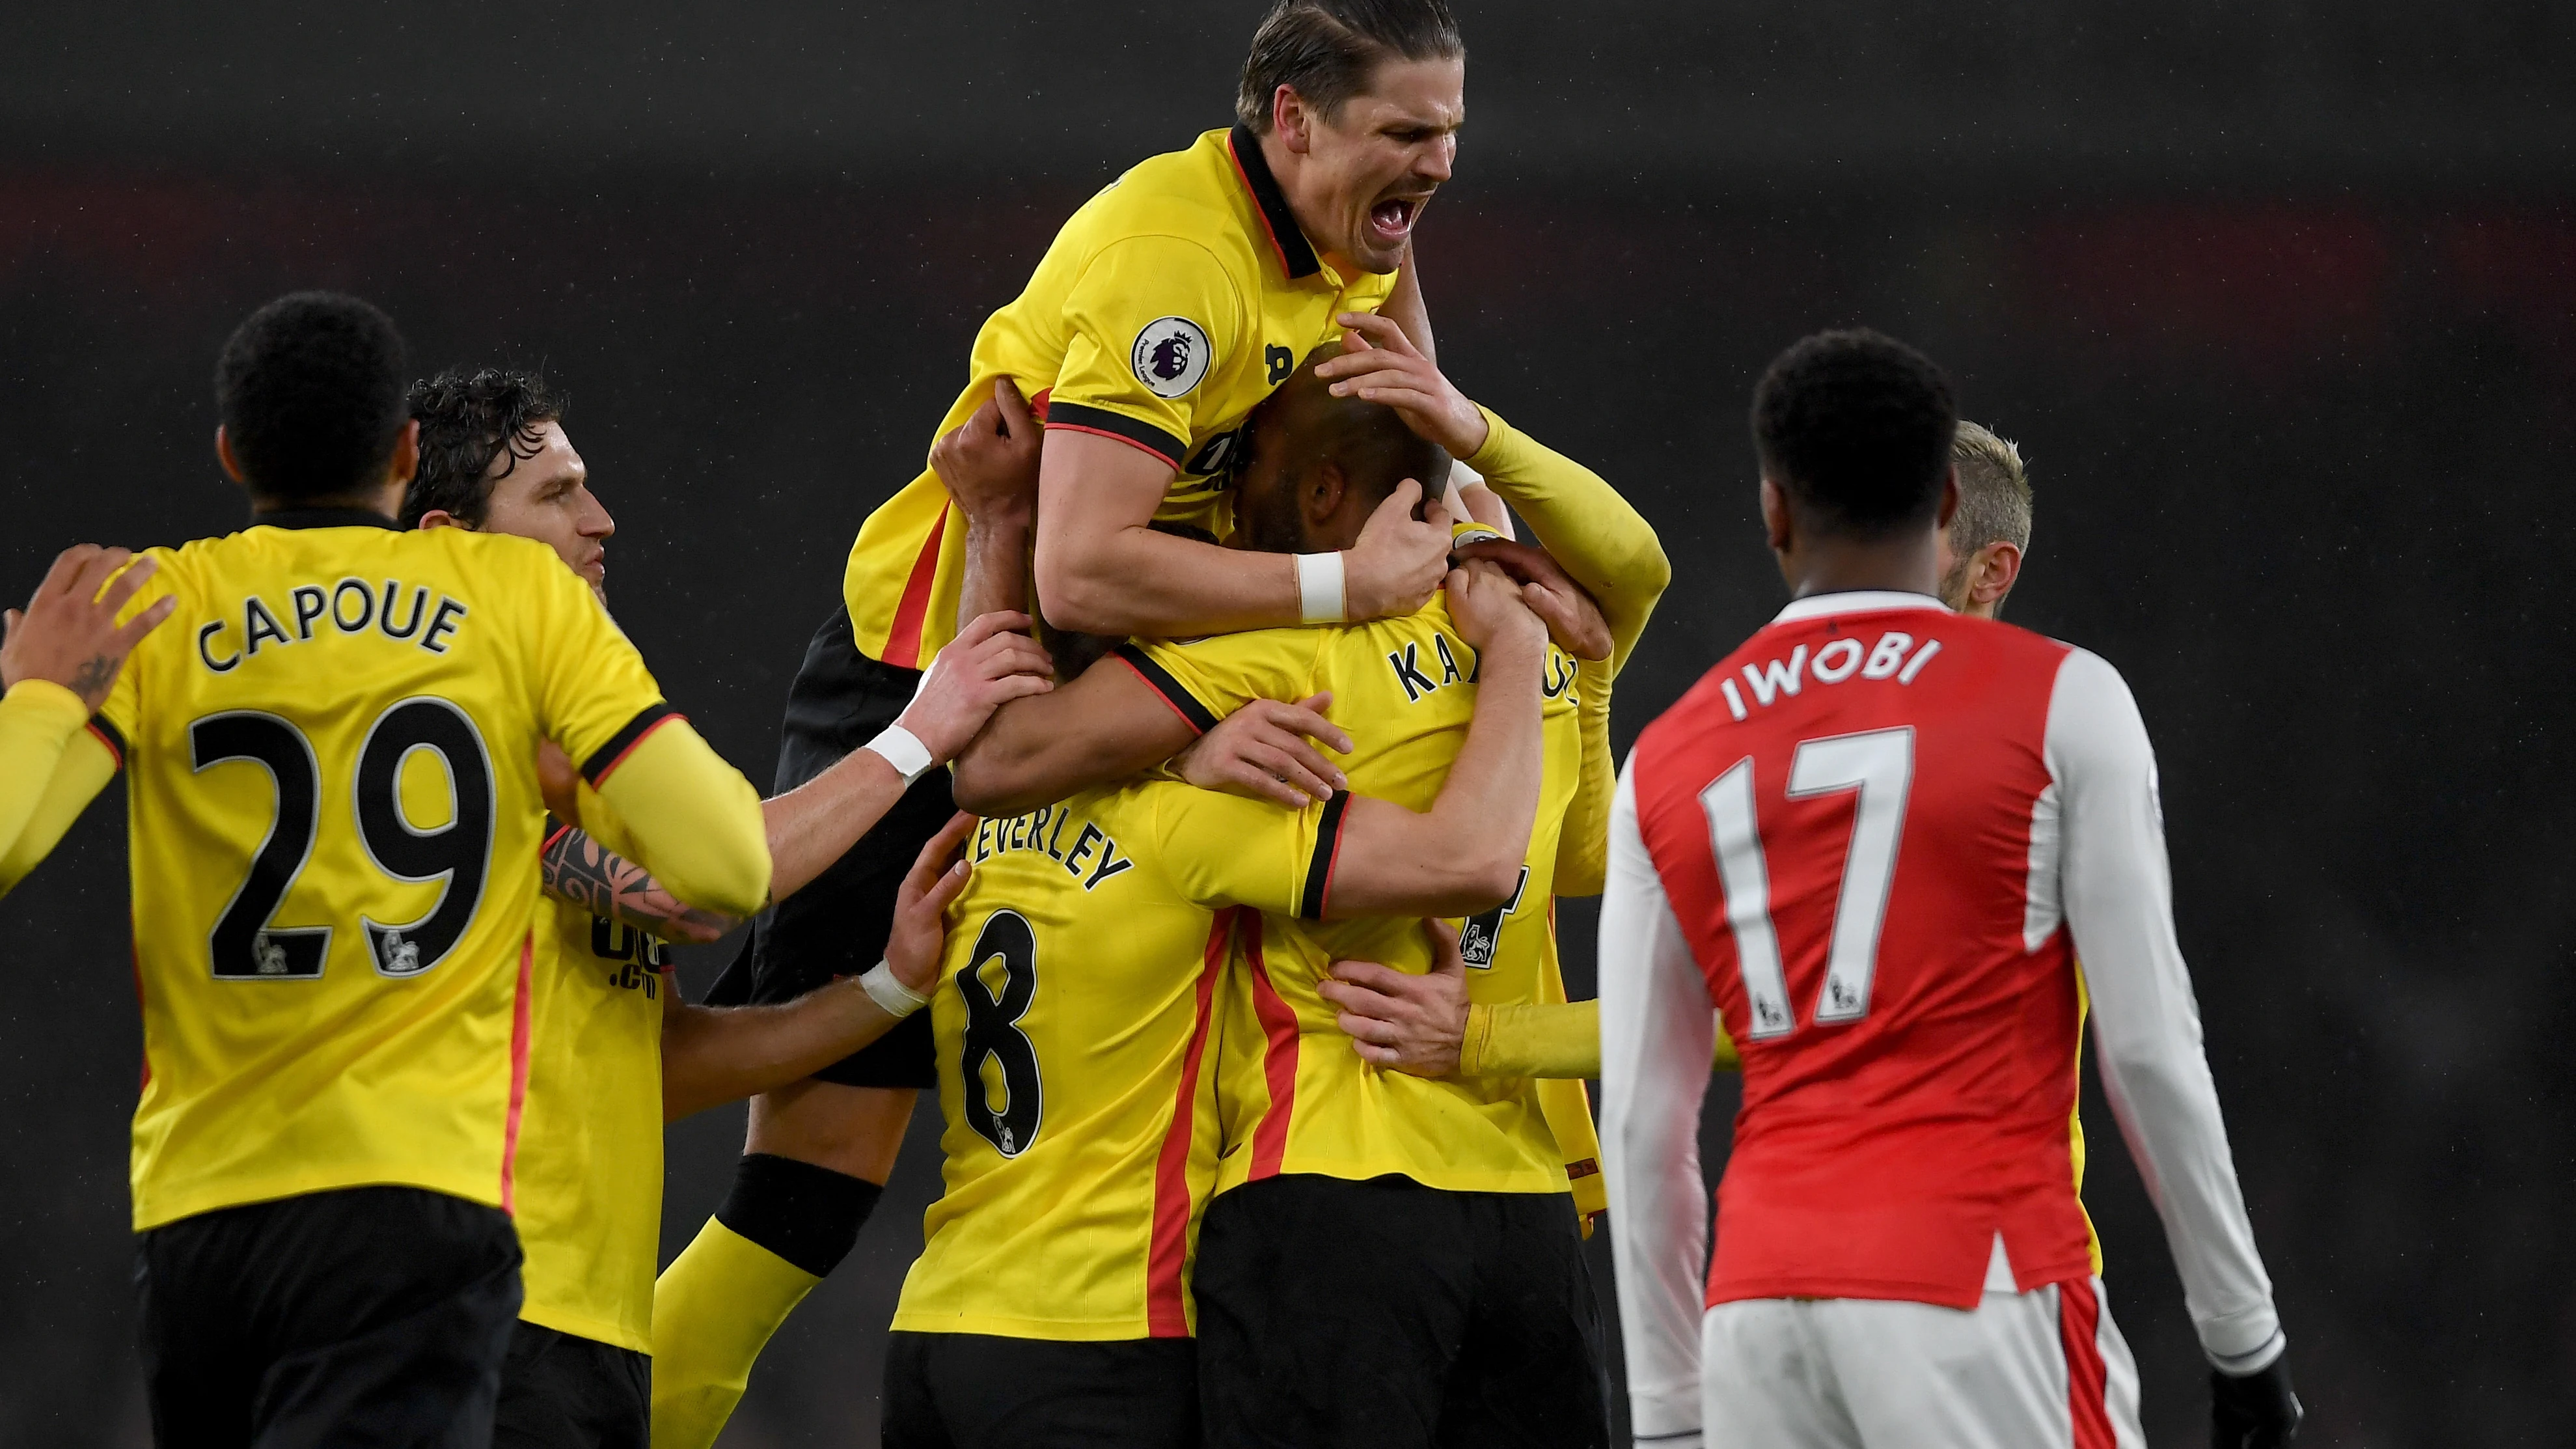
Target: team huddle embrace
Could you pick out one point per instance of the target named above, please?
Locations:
(1182, 792)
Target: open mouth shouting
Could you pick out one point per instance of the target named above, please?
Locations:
(1391, 219)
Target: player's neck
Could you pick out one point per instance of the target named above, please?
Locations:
(1908, 565)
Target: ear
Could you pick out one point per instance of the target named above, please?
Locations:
(1320, 497)
(1949, 494)
(1996, 570)
(406, 459)
(1775, 517)
(441, 518)
(1289, 119)
(224, 455)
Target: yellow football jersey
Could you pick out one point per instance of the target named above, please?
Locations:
(334, 816)
(1074, 1020)
(590, 1135)
(1168, 307)
(1294, 1096)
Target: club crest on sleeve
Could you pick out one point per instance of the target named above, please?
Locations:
(1170, 356)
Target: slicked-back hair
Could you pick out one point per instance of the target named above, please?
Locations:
(1856, 427)
(310, 392)
(1994, 492)
(1328, 50)
(468, 422)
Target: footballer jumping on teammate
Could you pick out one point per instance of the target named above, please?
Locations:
(1167, 307)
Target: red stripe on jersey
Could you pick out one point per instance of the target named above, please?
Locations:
(1278, 1059)
(113, 751)
(1257, 210)
(903, 641)
(2079, 1321)
(1166, 1312)
(518, 1075)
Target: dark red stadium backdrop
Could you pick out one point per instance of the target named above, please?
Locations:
(2295, 400)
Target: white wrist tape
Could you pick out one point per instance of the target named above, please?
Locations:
(1320, 591)
(900, 748)
(885, 990)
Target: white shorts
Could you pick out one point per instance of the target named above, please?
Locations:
(2039, 1370)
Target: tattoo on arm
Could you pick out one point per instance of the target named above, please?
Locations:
(94, 676)
(608, 885)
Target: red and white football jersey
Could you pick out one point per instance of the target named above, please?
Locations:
(1877, 836)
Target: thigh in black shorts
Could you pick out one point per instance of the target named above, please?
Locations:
(977, 1391)
(562, 1391)
(1387, 1314)
(836, 926)
(371, 1316)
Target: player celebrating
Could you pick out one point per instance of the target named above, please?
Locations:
(1476, 1316)
(1876, 837)
(1168, 306)
(333, 757)
(56, 662)
(616, 1051)
(1050, 1304)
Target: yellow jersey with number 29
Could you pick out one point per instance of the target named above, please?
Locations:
(1074, 1020)
(335, 815)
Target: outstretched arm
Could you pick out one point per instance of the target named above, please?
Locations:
(713, 1055)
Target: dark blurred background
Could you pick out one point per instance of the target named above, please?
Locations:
(2279, 299)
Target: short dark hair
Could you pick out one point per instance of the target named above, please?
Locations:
(1327, 50)
(1371, 442)
(310, 392)
(1856, 427)
(468, 422)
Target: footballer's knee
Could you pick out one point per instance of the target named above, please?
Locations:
(813, 1166)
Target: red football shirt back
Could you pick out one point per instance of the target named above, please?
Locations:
(1841, 813)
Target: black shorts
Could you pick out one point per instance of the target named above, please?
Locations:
(562, 1391)
(366, 1316)
(1388, 1314)
(836, 926)
(978, 1391)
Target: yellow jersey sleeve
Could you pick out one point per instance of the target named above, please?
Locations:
(1223, 850)
(1204, 680)
(38, 719)
(1599, 537)
(1583, 849)
(688, 817)
(1149, 316)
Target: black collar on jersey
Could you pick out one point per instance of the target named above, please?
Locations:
(323, 518)
(1295, 253)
